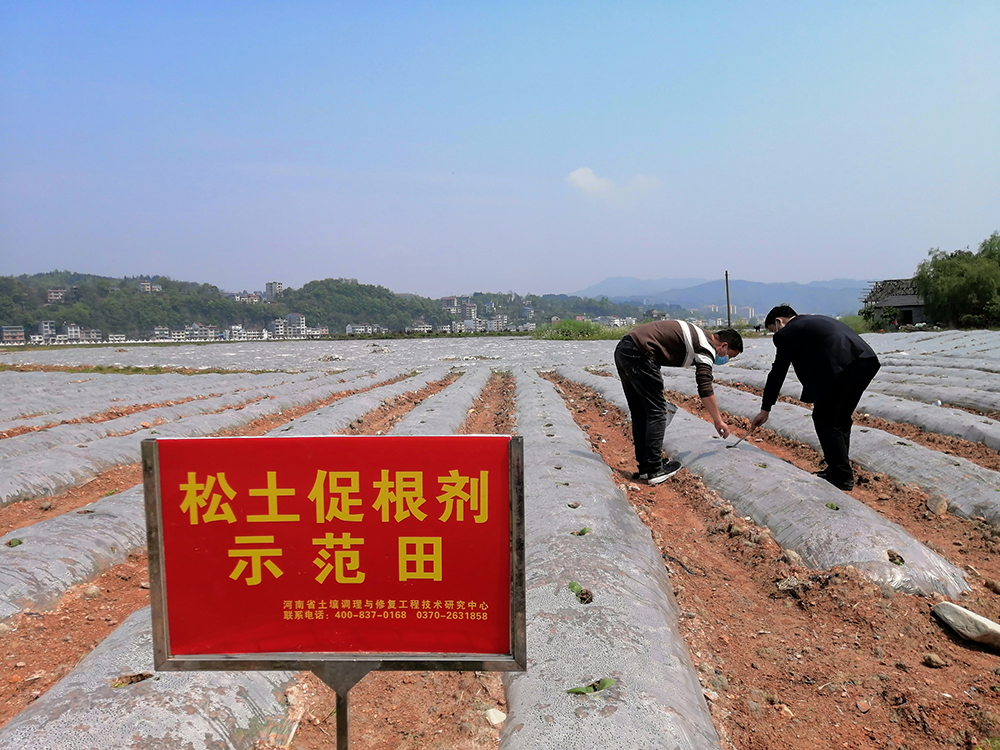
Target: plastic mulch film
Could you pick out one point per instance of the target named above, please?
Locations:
(339, 415)
(72, 432)
(931, 418)
(445, 412)
(627, 633)
(804, 513)
(195, 710)
(969, 489)
(50, 471)
(878, 403)
(71, 548)
(39, 398)
(970, 398)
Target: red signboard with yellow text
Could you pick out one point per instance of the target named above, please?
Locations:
(286, 548)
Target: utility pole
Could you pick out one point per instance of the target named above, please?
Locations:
(729, 308)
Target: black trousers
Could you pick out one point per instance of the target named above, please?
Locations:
(833, 416)
(643, 386)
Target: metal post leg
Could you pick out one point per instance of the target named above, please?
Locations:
(341, 677)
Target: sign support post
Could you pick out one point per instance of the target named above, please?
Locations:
(340, 678)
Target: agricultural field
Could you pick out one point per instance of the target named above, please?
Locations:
(742, 604)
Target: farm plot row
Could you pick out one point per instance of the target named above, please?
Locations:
(635, 616)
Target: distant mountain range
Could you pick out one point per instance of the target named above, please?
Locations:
(834, 297)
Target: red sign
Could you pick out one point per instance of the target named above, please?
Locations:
(353, 545)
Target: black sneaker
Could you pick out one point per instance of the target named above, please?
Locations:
(666, 471)
(841, 484)
(642, 476)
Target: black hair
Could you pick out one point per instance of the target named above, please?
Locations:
(732, 338)
(781, 311)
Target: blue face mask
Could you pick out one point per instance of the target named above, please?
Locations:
(721, 360)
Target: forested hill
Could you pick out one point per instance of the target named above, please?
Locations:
(120, 305)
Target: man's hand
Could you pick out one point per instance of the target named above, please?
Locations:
(722, 428)
(759, 419)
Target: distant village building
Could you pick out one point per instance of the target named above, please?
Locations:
(12, 334)
(364, 329)
(273, 290)
(47, 330)
(55, 295)
(239, 333)
(498, 323)
(201, 332)
(899, 294)
(71, 331)
(247, 298)
(295, 326)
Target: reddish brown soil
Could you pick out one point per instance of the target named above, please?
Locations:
(835, 661)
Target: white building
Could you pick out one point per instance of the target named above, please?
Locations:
(295, 326)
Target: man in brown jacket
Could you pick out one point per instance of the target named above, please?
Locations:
(639, 356)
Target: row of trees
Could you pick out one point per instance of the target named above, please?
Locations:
(962, 288)
(120, 306)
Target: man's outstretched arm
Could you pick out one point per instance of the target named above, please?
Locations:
(713, 410)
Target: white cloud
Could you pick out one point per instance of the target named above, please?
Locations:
(584, 179)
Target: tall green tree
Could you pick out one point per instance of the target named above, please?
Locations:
(962, 287)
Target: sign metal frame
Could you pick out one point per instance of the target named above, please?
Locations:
(338, 669)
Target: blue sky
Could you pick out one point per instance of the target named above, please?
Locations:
(446, 148)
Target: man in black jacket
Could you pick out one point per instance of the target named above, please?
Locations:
(834, 365)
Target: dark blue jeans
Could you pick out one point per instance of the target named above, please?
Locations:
(650, 411)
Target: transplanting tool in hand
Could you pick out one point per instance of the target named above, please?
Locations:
(741, 439)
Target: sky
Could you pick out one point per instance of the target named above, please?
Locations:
(442, 148)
